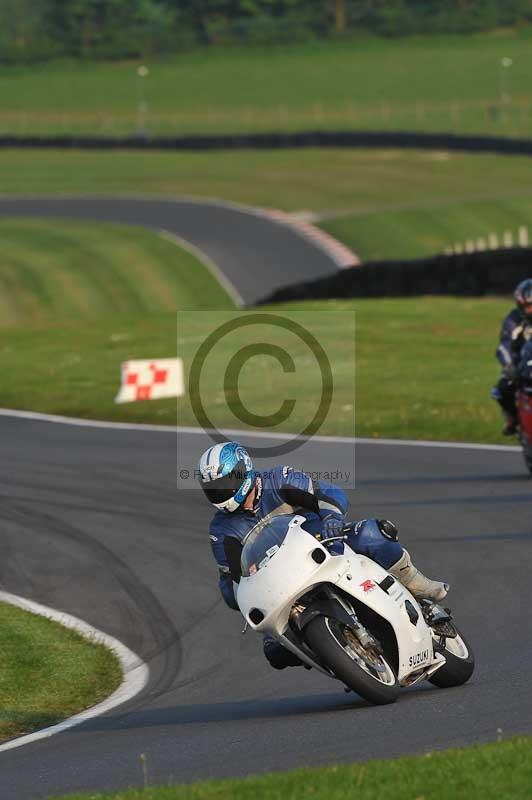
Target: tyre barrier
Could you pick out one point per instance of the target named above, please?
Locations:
(466, 274)
(279, 140)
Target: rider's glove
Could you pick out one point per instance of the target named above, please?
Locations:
(332, 526)
(509, 371)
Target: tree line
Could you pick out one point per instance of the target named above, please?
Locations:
(40, 29)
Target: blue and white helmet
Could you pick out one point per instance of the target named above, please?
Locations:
(226, 475)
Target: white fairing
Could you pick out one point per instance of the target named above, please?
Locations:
(291, 571)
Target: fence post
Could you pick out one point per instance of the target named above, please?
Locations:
(523, 236)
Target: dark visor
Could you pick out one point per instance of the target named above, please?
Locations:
(222, 489)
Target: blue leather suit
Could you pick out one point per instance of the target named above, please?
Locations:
(314, 499)
(508, 351)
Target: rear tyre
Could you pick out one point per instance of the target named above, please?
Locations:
(460, 662)
(338, 648)
(527, 455)
(526, 444)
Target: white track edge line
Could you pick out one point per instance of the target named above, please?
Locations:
(137, 426)
(136, 672)
(213, 268)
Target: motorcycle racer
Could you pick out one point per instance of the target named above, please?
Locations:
(516, 330)
(243, 497)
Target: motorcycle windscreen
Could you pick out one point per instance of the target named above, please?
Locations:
(264, 541)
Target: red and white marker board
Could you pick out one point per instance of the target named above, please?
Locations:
(151, 380)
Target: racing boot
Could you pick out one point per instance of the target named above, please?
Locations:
(504, 394)
(278, 656)
(510, 424)
(415, 581)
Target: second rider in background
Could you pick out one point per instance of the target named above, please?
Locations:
(516, 330)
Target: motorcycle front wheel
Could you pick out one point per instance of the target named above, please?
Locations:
(366, 673)
(460, 662)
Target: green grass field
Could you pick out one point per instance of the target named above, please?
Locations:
(409, 382)
(419, 232)
(53, 271)
(443, 398)
(75, 363)
(422, 83)
(384, 204)
(48, 673)
(324, 181)
(501, 771)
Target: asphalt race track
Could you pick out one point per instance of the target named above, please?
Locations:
(92, 523)
(255, 254)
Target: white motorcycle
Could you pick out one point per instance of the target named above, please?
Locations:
(344, 615)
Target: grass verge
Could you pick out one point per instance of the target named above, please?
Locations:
(54, 270)
(48, 673)
(383, 203)
(421, 83)
(415, 233)
(324, 181)
(490, 772)
(424, 368)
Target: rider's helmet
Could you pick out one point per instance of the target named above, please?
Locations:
(523, 299)
(226, 475)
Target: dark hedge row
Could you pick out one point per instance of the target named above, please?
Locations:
(469, 274)
(267, 141)
(40, 29)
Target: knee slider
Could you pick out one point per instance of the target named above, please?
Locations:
(388, 529)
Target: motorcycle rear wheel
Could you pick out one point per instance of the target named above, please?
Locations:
(527, 449)
(527, 455)
(367, 674)
(460, 662)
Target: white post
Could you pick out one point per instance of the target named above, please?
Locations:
(481, 244)
(470, 246)
(508, 239)
(503, 88)
(493, 241)
(142, 108)
(523, 236)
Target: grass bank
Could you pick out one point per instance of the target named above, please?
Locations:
(53, 270)
(424, 368)
(487, 772)
(48, 673)
(421, 83)
(323, 181)
(420, 232)
(383, 203)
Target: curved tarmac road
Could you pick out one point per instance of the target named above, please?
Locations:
(254, 253)
(92, 523)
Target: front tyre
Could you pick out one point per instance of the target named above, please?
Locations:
(460, 662)
(366, 673)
